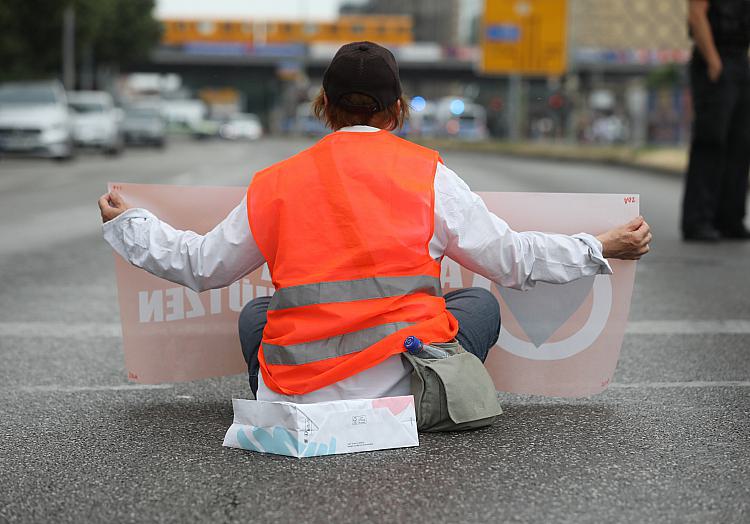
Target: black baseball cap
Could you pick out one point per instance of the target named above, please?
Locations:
(365, 68)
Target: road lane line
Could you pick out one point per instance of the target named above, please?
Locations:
(79, 389)
(690, 384)
(39, 231)
(141, 387)
(59, 329)
(689, 327)
(112, 329)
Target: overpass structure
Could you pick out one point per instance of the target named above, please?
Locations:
(273, 76)
(275, 64)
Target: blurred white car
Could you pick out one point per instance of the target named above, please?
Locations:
(96, 121)
(242, 126)
(35, 120)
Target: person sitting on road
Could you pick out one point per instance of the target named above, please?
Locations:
(353, 230)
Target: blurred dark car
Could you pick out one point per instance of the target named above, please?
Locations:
(144, 125)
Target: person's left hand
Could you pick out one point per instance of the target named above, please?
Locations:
(112, 205)
(627, 242)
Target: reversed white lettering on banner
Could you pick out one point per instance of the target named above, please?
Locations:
(175, 304)
(150, 306)
(235, 303)
(215, 301)
(179, 303)
(196, 305)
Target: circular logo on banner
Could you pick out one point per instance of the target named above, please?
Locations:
(528, 311)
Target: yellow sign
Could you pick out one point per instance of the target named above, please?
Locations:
(220, 95)
(524, 37)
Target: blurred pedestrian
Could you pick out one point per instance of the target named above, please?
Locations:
(717, 177)
(353, 230)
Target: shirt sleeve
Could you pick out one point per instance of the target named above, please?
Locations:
(467, 232)
(200, 262)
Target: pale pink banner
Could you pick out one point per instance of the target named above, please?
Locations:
(556, 340)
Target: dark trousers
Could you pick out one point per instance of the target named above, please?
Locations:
(717, 178)
(476, 310)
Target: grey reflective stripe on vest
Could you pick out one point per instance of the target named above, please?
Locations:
(330, 347)
(351, 290)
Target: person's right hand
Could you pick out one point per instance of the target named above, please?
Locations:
(715, 67)
(627, 242)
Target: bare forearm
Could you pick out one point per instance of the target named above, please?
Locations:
(701, 29)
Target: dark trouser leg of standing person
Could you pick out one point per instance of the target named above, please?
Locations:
(478, 315)
(251, 323)
(713, 105)
(476, 310)
(732, 201)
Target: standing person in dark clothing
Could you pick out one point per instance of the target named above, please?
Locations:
(717, 178)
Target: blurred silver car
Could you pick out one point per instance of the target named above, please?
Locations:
(96, 121)
(144, 125)
(35, 120)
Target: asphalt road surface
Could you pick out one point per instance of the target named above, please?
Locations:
(669, 441)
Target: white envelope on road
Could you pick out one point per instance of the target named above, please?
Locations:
(323, 428)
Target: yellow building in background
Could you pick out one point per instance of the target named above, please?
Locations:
(386, 29)
(628, 24)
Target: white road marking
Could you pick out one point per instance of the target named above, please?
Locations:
(689, 327)
(42, 229)
(112, 329)
(65, 224)
(79, 389)
(59, 329)
(616, 385)
(691, 384)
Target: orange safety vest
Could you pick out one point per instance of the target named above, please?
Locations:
(345, 228)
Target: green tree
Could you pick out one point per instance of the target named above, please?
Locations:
(120, 33)
(127, 31)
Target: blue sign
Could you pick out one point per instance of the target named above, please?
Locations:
(503, 33)
(215, 48)
(278, 50)
(244, 49)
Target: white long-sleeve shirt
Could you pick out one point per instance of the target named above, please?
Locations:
(465, 230)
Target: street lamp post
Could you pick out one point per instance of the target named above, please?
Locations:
(68, 47)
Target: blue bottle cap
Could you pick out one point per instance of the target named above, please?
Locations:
(413, 344)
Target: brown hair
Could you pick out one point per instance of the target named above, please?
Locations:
(336, 117)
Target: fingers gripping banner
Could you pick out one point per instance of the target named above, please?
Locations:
(555, 340)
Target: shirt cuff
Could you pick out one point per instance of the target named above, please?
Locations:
(595, 252)
(133, 212)
(120, 234)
